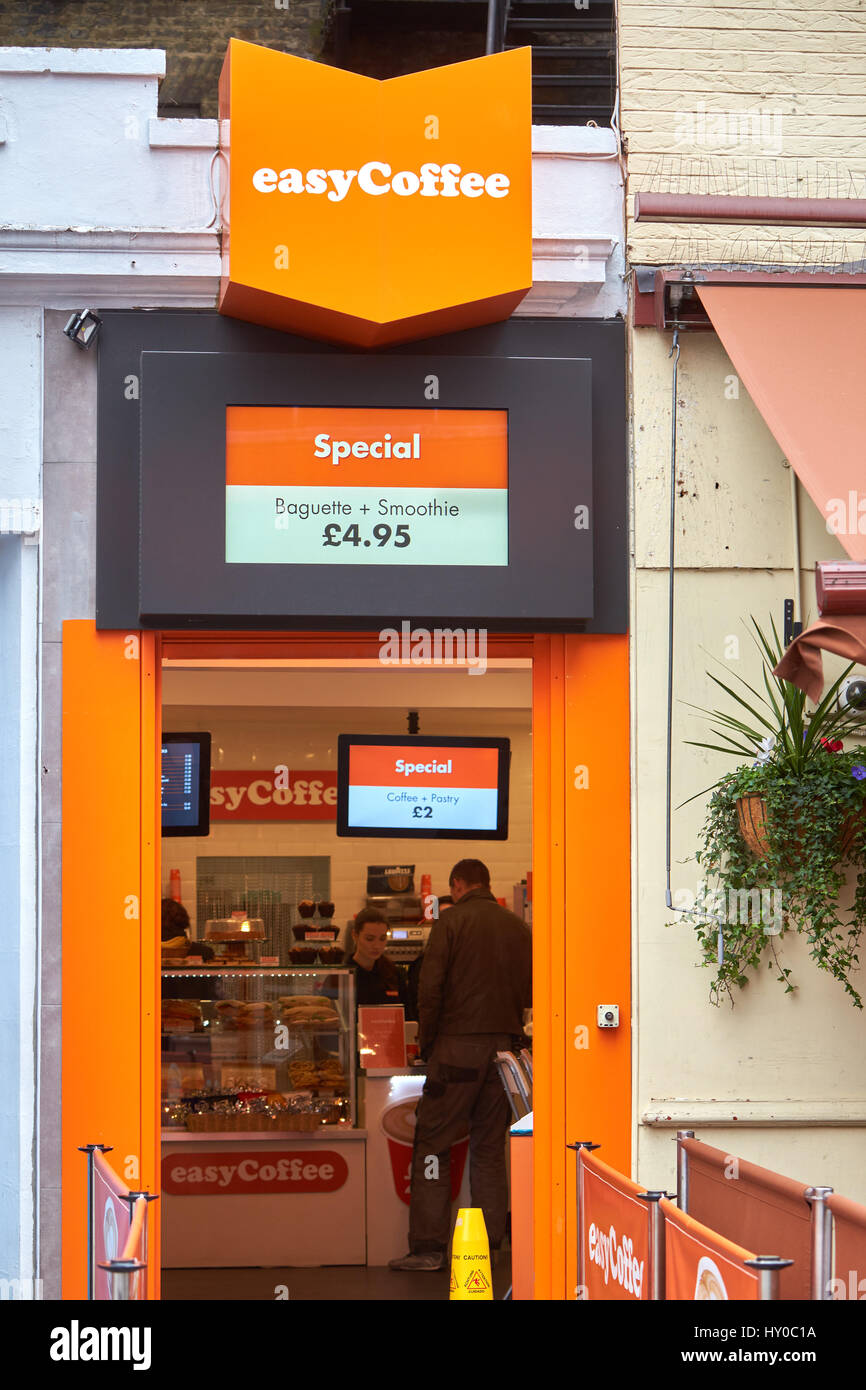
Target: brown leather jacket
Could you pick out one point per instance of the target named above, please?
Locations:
(477, 971)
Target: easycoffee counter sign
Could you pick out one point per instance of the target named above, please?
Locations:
(236, 1173)
(366, 487)
(372, 212)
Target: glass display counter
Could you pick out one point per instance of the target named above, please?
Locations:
(253, 1049)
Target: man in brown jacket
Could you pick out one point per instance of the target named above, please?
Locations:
(475, 983)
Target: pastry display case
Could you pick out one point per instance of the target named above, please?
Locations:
(252, 1049)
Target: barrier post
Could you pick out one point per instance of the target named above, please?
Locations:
(769, 1267)
(89, 1149)
(122, 1271)
(822, 1242)
(656, 1220)
(581, 1271)
(683, 1169)
(148, 1197)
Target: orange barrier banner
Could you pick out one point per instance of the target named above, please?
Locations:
(745, 1202)
(700, 1265)
(111, 1223)
(849, 1232)
(614, 1233)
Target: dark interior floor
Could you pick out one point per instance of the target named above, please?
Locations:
(340, 1283)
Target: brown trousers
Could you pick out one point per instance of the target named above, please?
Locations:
(463, 1094)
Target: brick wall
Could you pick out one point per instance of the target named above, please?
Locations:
(194, 34)
(759, 97)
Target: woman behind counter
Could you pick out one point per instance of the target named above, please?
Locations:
(377, 979)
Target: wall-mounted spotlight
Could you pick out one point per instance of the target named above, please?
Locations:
(83, 327)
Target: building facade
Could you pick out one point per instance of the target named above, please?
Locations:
(123, 213)
(126, 217)
(757, 104)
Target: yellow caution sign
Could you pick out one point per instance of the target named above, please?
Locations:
(471, 1277)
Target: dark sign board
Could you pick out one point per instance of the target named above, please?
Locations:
(266, 482)
(437, 788)
(185, 783)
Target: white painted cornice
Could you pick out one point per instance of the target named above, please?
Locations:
(67, 267)
(84, 62)
(562, 267)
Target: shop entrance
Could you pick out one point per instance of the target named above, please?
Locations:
(569, 799)
(260, 1057)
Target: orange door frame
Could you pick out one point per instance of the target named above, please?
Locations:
(111, 890)
(110, 905)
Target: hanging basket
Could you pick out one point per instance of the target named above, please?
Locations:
(850, 826)
(752, 820)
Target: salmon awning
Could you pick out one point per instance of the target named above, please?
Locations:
(802, 663)
(801, 354)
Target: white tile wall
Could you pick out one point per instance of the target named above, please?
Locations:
(307, 738)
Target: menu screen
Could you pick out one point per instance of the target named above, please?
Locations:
(435, 788)
(185, 784)
(334, 486)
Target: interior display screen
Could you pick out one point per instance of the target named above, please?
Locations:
(185, 784)
(436, 788)
(335, 486)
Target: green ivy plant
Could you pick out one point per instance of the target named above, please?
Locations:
(814, 792)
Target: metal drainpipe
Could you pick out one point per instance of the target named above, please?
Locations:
(675, 348)
(703, 207)
(795, 526)
(493, 43)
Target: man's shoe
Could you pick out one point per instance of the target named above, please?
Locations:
(429, 1260)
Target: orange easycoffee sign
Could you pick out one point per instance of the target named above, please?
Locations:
(370, 212)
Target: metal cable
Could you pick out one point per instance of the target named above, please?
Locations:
(675, 348)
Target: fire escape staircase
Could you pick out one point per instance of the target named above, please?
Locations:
(573, 55)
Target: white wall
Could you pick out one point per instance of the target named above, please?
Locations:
(791, 1068)
(104, 205)
(99, 200)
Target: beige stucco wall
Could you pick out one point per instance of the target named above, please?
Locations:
(755, 98)
(779, 1063)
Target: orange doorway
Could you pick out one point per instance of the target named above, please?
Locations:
(111, 892)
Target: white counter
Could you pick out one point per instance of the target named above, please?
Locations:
(248, 1198)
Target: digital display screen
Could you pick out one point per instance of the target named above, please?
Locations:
(434, 788)
(185, 789)
(335, 486)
